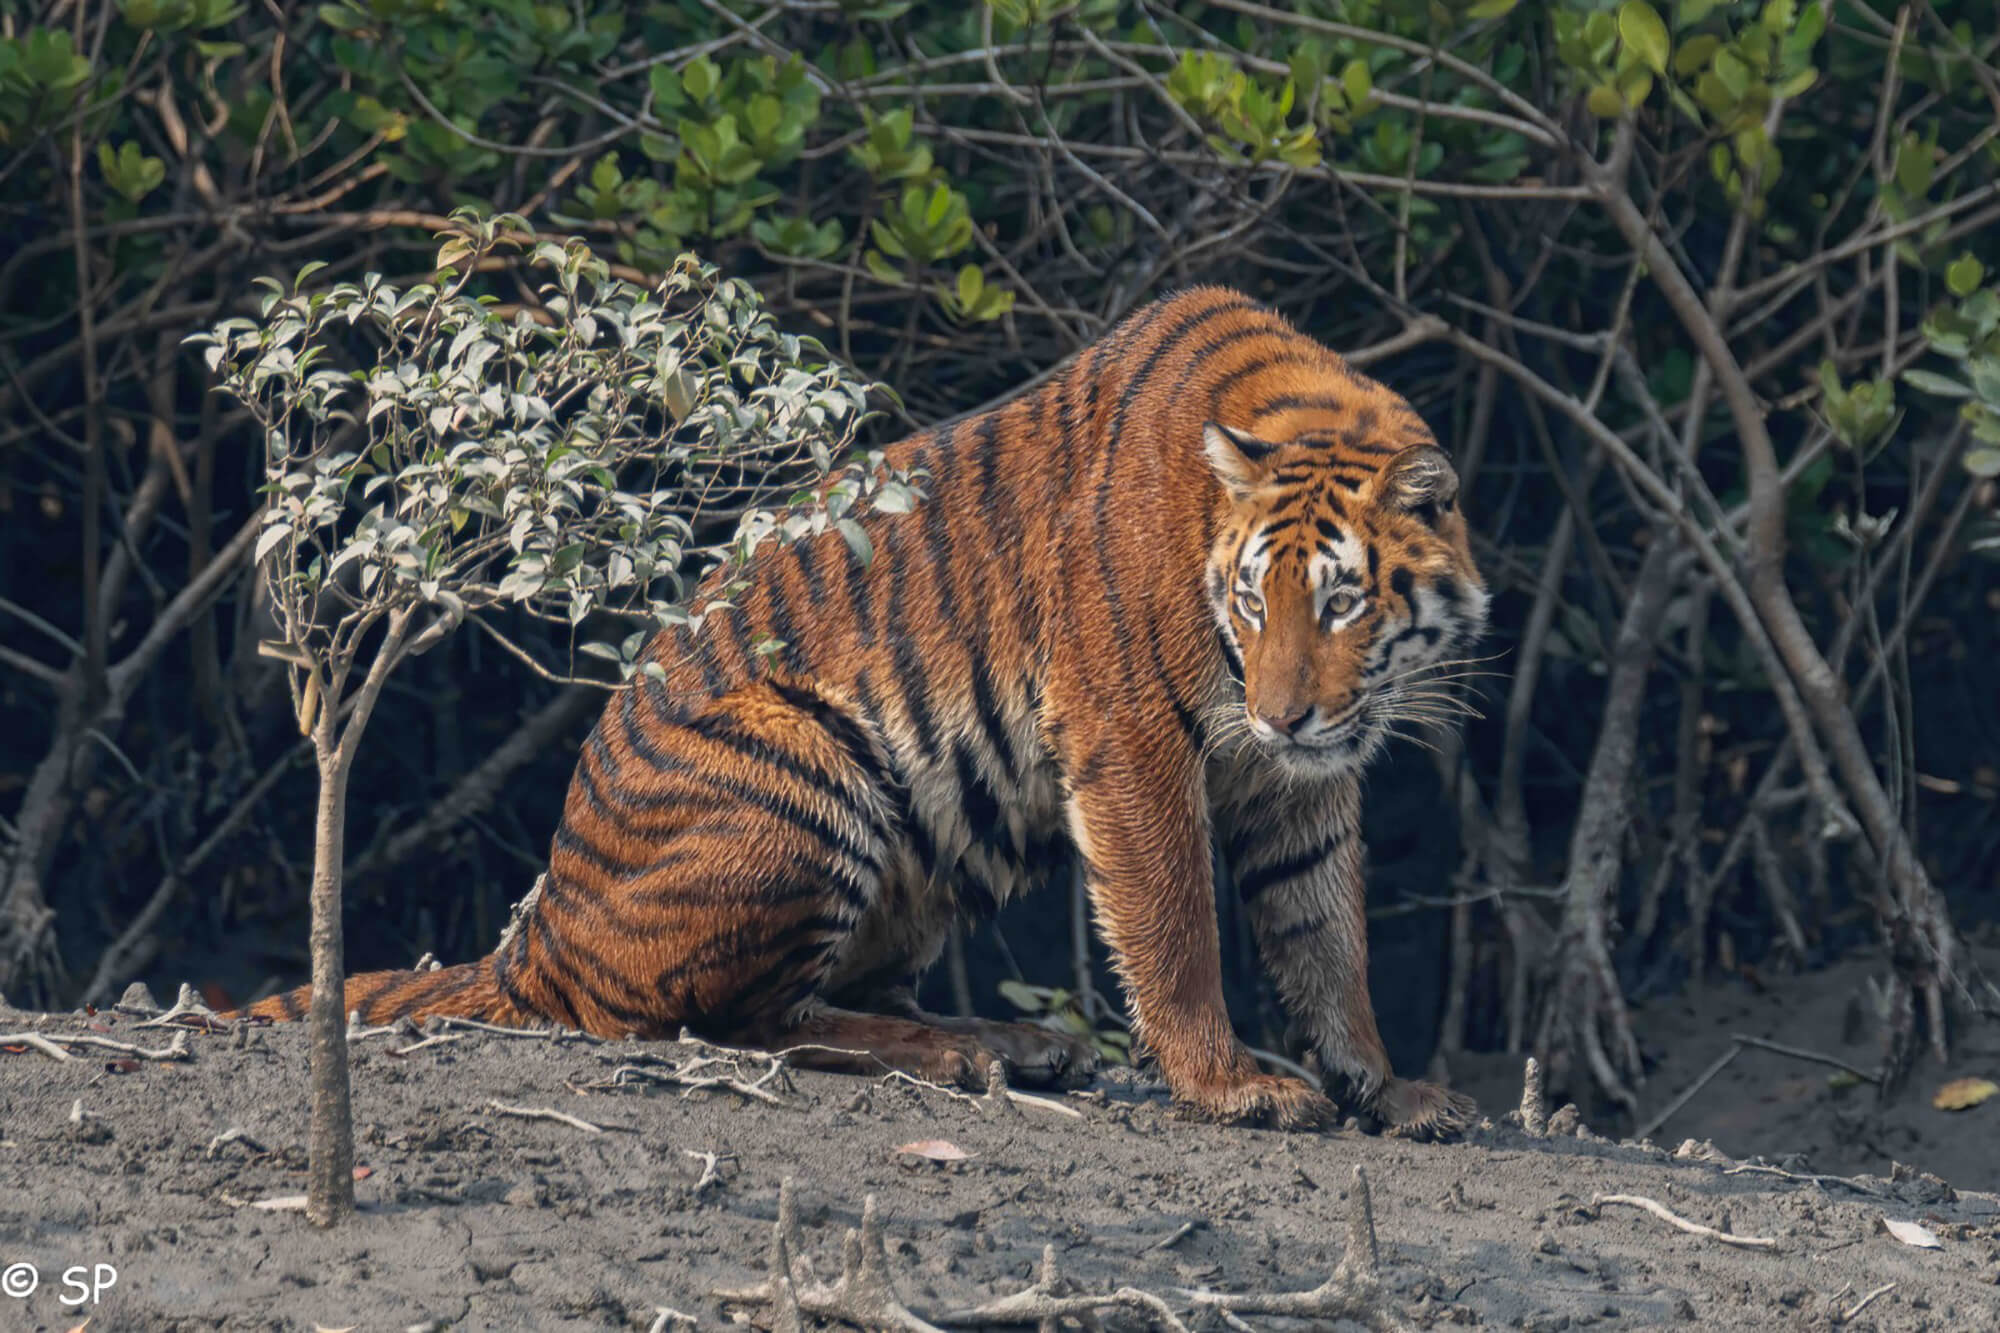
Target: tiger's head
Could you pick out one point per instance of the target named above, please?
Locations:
(1343, 588)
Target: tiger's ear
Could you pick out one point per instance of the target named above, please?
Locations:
(1236, 457)
(1420, 480)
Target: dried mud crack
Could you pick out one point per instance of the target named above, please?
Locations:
(546, 1182)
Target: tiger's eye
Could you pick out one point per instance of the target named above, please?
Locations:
(1338, 605)
(1249, 604)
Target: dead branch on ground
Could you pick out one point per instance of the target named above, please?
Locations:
(864, 1295)
(50, 1044)
(560, 1117)
(1679, 1223)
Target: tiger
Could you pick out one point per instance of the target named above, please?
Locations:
(1177, 596)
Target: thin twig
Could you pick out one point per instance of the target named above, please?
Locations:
(560, 1117)
(1800, 1053)
(36, 1041)
(438, 1039)
(1810, 1177)
(1868, 1300)
(710, 1166)
(234, 1134)
(1666, 1113)
(1675, 1220)
(555, 1034)
(176, 1050)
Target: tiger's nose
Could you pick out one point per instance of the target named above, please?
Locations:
(1285, 721)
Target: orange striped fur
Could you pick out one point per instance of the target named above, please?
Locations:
(1179, 594)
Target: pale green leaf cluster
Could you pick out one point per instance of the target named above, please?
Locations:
(595, 451)
(1966, 331)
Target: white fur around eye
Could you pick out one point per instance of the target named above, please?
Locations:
(1247, 593)
(1331, 582)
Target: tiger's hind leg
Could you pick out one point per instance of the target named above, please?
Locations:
(733, 865)
(712, 866)
(845, 1041)
(1033, 1055)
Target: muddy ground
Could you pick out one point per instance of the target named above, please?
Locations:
(1766, 1103)
(473, 1218)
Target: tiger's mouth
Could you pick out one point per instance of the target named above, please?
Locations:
(1323, 748)
(1316, 747)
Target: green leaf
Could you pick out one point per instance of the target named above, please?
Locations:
(1811, 24)
(700, 78)
(1356, 82)
(1028, 999)
(1777, 15)
(886, 237)
(1491, 9)
(1716, 99)
(1964, 276)
(1983, 462)
(1985, 373)
(1732, 71)
(1798, 82)
(1941, 385)
(1695, 53)
(1914, 167)
(1643, 33)
(1604, 101)
(270, 539)
(857, 540)
(666, 85)
(1635, 86)
(880, 265)
(341, 18)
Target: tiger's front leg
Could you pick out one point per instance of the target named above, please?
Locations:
(1296, 857)
(1140, 821)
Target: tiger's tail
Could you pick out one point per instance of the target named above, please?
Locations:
(469, 990)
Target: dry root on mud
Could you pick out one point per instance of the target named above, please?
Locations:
(708, 1069)
(1675, 1220)
(1353, 1292)
(1049, 1301)
(559, 1117)
(1534, 1112)
(998, 1098)
(1534, 1116)
(555, 1033)
(865, 1296)
(188, 1010)
(711, 1167)
(51, 1044)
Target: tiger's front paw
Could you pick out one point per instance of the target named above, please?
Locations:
(1268, 1101)
(1411, 1109)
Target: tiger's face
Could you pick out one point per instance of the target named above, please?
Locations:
(1343, 589)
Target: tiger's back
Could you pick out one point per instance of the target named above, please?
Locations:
(769, 837)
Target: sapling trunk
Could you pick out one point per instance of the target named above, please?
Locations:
(330, 1145)
(330, 1150)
